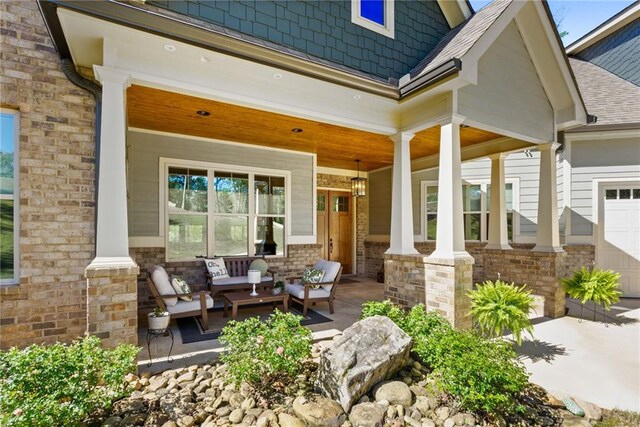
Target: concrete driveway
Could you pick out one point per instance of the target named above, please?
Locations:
(593, 361)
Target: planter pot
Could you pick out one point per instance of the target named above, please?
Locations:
(158, 323)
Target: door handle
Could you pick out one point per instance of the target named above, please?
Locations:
(330, 246)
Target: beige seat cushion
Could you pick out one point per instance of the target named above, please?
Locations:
(238, 280)
(331, 269)
(185, 306)
(298, 291)
(160, 278)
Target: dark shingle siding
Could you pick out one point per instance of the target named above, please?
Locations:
(618, 53)
(324, 29)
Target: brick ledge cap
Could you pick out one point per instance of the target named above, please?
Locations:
(111, 267)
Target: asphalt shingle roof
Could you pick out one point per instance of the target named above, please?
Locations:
(612, 99)
(462, 38)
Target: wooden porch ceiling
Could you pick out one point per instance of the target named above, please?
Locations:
(335, 146)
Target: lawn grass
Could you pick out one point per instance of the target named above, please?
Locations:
(6, 239)
(619, 418)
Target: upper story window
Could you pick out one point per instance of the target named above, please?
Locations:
(375, 15)
(476, 199)
(9, 222)
(221, 210)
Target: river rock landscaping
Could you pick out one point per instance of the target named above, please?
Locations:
(353, 379)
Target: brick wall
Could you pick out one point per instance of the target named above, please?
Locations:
(344, 182)
(578, 256)
(298, 258)
(57, 160)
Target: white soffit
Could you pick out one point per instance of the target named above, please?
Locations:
(455, 11)
(199, 72)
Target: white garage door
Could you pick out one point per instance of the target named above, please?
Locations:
(619, 247)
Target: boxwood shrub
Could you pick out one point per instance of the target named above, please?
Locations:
(60, 384)
(484, 375)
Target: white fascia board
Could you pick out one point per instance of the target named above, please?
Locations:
(605, 29)
(599, 135)
(455, 11)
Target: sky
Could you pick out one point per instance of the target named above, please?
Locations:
(578, 16)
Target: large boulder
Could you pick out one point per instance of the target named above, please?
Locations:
(368, 352)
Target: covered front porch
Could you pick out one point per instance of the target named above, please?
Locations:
(174, 108)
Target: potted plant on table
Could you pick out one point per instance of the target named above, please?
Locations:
(158, 320)
(278, 288)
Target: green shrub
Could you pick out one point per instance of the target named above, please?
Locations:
(599, 286)
(497, 306)
(484, 375)
(262, 352)
(61, 384)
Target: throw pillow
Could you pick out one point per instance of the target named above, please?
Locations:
(259, 264)
(312, 275)
(161, 280)
(216, 268)
(181, 287)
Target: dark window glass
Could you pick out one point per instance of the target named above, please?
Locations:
(625, 194)
(611, 194)
(322, 203)
(636, 193)
(373, 10)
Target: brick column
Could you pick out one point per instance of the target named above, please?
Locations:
(440, 284)
(447, 283)
(112, 302)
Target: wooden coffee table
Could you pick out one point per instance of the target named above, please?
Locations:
(237, 299)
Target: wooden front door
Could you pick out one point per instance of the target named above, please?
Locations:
(335, 227)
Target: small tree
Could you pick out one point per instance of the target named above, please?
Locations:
(497, 306)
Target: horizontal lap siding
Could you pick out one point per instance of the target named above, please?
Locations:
(600, 159)
(146, 150)
(509, 95)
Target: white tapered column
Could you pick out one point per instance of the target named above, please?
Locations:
(112, 241)
(548, 234)
(498, 233)
(450, 222)
(401, 239)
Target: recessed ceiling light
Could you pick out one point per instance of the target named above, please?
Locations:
(170, 47)
(356, 97)
(205, 59)
(203, 113)
(277, 76)
(296, 130)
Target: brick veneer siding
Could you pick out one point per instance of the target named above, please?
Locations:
(298, 258)
(539, 270)
(56, 172)
(344, 182)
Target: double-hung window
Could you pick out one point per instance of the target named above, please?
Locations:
(221, 210)
(9, 220)
(375, 15)
(476, 199)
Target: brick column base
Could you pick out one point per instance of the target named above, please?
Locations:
(540, 271)
(112, 300)
(447, 283)
(441, 285)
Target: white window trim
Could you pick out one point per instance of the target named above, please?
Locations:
(165, 163)
(16, 198)
(387, 30)
(515, 185)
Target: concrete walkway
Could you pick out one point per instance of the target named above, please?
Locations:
(589, 360)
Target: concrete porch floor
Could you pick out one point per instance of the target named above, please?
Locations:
(585, 359)
(348, 307)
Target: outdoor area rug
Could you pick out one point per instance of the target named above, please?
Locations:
(191, 330)
(346, 281)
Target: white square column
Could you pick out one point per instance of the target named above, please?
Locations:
(498, 232)
(548, 233)
(401, 239)
(112, 234)
(450, 221)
